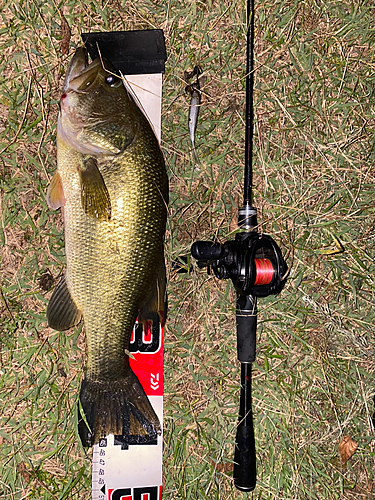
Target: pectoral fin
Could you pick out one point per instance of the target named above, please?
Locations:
(55, 193)
(94, 193)
(62, 312)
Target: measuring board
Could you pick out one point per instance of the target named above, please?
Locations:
(126, 471)
(133, 470)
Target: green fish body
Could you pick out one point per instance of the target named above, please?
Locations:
(112, 184)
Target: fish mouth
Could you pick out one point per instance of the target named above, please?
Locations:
(81, 73)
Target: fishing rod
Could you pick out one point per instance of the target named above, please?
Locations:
(255, 264)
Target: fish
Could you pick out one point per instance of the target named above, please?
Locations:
(194, 106)
(195, 103)
(112, 186)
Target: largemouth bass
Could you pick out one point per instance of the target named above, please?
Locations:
(112, 184)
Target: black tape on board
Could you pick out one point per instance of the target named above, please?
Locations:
(131, 52)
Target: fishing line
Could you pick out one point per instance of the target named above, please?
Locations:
(265, 271)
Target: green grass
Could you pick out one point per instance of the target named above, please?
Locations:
(314, 176)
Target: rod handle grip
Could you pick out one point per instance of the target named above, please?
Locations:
(244, 471)
(246, 321)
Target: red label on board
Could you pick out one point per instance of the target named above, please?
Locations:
(147, 348)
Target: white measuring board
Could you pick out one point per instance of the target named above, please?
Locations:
(134, 471)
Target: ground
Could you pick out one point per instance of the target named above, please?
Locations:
(314, 189)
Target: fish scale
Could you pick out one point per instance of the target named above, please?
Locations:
(105, 270)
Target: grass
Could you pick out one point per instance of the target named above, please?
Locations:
(314, 176)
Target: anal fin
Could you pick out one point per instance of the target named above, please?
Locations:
(62, 312)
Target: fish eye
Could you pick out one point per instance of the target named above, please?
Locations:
(113, 81)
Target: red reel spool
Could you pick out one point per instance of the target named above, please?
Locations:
(264, 271)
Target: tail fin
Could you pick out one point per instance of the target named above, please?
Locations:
(118, 407)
